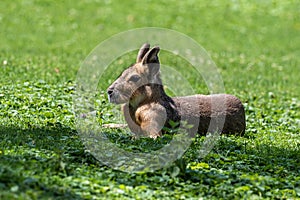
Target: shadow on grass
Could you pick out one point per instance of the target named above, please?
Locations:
(13, 183)
(49, 141)
(33, 160)
(258, 157)
(31, 157)
(263, 169)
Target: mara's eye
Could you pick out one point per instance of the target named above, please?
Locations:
(134, 78)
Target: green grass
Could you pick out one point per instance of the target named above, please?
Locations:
(42, 44)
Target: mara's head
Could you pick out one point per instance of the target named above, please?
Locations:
(130, 84)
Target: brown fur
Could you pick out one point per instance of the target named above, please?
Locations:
(148, 108)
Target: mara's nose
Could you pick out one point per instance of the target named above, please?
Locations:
(110, 91)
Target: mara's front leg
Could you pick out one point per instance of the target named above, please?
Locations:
(131, 121)
(151, 119)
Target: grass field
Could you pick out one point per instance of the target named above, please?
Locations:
(255, 45)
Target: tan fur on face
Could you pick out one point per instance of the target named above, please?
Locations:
(148, 108)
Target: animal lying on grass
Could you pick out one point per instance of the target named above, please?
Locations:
(147, 108)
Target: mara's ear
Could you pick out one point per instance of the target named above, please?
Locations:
(151, 56)
(143, 50)
(151, 61)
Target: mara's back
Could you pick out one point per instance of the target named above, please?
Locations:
(218, 112)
